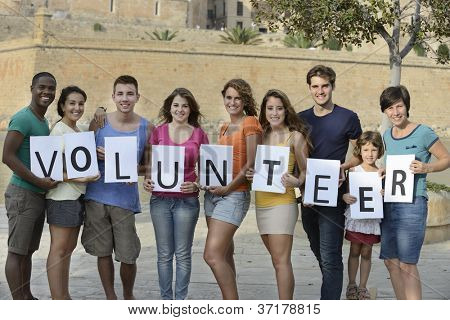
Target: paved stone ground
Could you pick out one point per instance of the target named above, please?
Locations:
(256, 279)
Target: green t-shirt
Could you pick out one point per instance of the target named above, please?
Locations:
(418, 142)
(28, 125)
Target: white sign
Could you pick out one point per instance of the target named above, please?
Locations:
(121, 159)
(80, 154)
(271, 163)
(167, 168)
(46, 157)
(322, 180)
(399, 186)
(216, 165)
(366, 188)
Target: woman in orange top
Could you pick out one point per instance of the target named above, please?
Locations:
(226, 206)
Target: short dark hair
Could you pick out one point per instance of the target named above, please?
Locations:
(126, 79)
(372, 137)
(323, 72)
(194, 115)
(63, 97)
(391, 95)
(39, 75)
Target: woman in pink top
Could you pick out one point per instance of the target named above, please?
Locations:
(226, 206)
(175, 214)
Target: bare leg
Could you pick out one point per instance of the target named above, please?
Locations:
(230, 257)
(366, 264)
(26, 276)
(106, 270)
(280, 250)
(128, 276)
(393, 266)
(63, 242)
(353, 262)
(13, 272)
(411, 281)
(220, 236)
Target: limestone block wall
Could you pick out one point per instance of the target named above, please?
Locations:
(160, 67)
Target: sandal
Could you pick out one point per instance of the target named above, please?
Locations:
(352, 292)
(363, 294)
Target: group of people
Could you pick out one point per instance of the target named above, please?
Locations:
(107, 210)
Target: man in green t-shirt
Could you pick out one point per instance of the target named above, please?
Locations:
(25, 194)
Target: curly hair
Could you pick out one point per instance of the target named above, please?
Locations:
(291, 120)
(245, 91)
(194, 115)
(372, 137)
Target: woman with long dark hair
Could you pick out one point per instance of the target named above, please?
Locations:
(277, 214)
(175, 214)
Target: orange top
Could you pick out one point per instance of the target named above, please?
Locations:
(249, 126)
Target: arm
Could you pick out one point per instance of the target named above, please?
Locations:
(144, 166)
(353, 161)
(301, 153)
(252, 142)
(442, 163)
(13, 140)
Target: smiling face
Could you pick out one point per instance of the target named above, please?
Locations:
(233, 102)
(275, 112)
(73, 107)
(321, 90)
(369, 153)
(43, 92)
(125, 96)
(397, 113)
(180, 110)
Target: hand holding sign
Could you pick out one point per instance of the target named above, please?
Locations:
(366, 187)
(399, 185)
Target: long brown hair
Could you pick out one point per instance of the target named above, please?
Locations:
(291, 120)
(194, 115)
(245, 91)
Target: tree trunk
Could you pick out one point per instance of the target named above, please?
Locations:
(396, 68)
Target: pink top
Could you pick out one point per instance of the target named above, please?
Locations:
(160, 136)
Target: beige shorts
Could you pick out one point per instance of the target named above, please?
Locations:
(26, 215)
(109, 228)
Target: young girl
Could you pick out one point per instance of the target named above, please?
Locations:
(226, 206)
(277, 214)
(65, 205)
(362, 233)
(175, 214)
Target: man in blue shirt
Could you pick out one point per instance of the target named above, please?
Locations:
(331, 128)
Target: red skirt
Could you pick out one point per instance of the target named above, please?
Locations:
(357, 237)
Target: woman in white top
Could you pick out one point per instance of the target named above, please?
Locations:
(65, 206)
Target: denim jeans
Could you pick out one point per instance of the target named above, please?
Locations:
(174, 221)
(325, 229)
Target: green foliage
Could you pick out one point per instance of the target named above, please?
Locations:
(243, 36)
(436, 187)
(164, 35)
(298, 40)
(443, 53)
(332, 44)
(98, 27)
(420, 50)
(360, 21)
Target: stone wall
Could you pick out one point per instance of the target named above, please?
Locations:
(160, 67)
